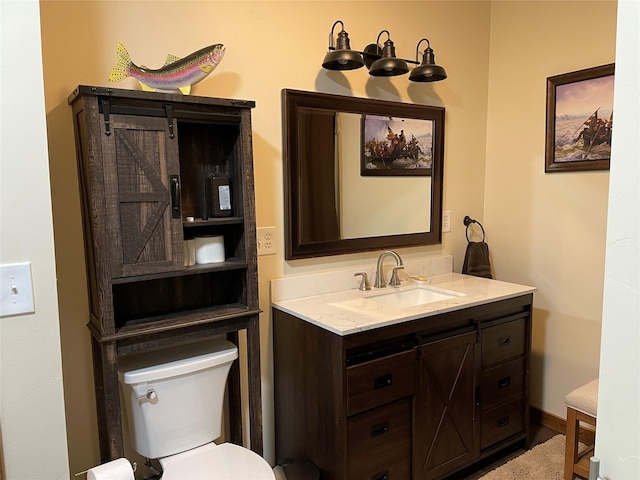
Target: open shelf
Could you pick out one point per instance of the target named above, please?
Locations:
(147, 300)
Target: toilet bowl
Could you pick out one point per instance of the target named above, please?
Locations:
(216, 462)
(174, 400)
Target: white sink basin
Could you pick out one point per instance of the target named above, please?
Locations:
(396, 298)
(414, 297)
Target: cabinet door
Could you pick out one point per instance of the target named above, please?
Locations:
(140, 166)
(445, 413)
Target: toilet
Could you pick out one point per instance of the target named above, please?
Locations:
(174, 401)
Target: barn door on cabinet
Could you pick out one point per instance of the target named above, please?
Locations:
(142, 189)
(446, 405)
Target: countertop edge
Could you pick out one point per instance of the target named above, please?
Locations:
(344, 323)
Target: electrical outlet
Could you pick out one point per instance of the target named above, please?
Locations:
(446, 221)
(266, 241)
(16, 290)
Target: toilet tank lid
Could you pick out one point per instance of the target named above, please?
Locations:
(174, 361)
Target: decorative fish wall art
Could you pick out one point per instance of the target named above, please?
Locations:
(177, 74)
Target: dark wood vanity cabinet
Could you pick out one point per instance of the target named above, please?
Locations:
(145, 164)
(413, 401)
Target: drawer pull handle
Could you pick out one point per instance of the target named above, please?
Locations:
(379, 429)
(384, 381)
(503, 422)
(381, 476)
(504, 382)
(504, 341)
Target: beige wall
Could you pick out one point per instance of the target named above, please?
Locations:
(528, 245)
(547, 230)
(32, 429)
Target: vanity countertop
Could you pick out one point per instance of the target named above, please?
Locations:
(351, 311)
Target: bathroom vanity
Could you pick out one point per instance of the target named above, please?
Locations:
(367, 387)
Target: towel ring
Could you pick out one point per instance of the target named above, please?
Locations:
(468, 221)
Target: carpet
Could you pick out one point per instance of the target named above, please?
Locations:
(542, 462)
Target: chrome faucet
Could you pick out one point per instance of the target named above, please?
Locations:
(394, 282)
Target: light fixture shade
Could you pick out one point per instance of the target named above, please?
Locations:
(342, 60)
(389, 65)
(428, 71)
(342, 57)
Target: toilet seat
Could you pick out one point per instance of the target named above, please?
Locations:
(216, 462)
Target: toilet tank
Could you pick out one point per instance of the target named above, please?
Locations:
(174, 397)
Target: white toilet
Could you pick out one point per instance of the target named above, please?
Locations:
(174, 401)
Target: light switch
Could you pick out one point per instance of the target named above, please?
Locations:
(16, 289)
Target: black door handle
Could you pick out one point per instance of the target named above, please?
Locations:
(504, 382)
(503, 422)
(383, 381)
(379, 429)
(175, 196)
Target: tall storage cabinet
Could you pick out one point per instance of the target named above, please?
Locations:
(146, 163)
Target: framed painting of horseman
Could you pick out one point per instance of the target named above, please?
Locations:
(579, 120)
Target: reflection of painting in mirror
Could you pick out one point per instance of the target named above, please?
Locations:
(330, 208)
(396, 146)
(373, 206)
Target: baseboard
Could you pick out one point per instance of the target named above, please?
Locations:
(559, 425)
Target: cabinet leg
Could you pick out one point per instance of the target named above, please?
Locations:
(255, 384)
(105, 374)
(235, 401)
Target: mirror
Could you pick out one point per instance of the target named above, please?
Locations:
(360, 174)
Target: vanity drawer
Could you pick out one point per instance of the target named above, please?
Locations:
(502, 383)
(379, 442)
(381, 381)
(504, 341)
(501, 422)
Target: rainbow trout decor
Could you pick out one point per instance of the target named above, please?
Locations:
(177, 74)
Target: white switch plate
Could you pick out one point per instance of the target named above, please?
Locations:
(266, 241)
(446, 221)
(16, 289)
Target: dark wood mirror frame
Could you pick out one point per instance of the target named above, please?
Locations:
(295, 166)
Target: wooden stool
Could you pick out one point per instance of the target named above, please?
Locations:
(582, 406)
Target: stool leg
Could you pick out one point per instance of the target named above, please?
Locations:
(571, 447)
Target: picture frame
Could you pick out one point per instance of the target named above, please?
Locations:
(398, 145)
(579, 120)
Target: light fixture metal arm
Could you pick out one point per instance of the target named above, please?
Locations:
(418, 48)
(331, 41)
(378, 39)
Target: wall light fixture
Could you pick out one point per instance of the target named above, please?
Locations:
(380, 61)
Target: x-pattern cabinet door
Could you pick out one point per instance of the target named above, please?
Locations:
(446, 406)
(141, 170)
